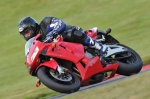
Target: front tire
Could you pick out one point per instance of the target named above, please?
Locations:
(48, 79)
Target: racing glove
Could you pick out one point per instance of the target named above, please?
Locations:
(50, 36)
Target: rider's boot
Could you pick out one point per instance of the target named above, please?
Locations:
(94, 44)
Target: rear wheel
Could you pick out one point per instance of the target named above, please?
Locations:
(67, 82)
(130, 65)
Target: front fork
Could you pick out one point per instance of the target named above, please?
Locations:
(51, 64)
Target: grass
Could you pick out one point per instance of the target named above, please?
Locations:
(129, 20)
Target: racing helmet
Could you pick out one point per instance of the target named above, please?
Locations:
(28, 27)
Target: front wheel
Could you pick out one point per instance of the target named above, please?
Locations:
(67, 82)
(130, 65)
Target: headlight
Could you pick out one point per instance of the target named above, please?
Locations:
(34, 53)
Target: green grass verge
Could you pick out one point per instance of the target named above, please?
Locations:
(130, 21)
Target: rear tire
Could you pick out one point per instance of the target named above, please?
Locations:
(128, 66)
(55, 84)
(131, 65)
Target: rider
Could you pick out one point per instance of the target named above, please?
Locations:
(50, 27)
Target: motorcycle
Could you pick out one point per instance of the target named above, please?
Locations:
(66, 66)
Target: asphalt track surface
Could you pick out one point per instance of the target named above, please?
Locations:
(115, 78)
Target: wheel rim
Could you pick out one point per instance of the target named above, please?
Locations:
(130, 60)
(65, 77)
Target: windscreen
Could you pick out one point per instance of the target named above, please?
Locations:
(28, 45)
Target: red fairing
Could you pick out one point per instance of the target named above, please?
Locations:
(92, 67)
(52, 64)
(70, 51)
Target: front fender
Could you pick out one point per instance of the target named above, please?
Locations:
(51, 64)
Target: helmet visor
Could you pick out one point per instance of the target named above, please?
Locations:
(26, 33)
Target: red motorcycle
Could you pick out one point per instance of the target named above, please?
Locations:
(67, 66)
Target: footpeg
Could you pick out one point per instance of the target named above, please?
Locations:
(103, 61)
